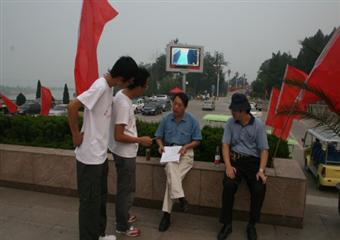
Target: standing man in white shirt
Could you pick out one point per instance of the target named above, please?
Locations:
(91, 147)
(124, 147)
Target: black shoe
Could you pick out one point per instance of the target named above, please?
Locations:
(251, 232)
(225, 231)
(184, 204)
(165, 223)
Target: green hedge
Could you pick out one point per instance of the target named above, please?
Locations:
(54, 132)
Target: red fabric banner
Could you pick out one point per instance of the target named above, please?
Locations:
(274, 96)
(283, 132)
(94, 15)
(325, 74)
(46, 101)
(11, 106)
(288, 98)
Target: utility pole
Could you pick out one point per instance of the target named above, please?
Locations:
(218, 74)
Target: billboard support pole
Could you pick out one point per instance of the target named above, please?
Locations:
(184, 81)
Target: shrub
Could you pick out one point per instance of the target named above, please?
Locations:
(53, 131)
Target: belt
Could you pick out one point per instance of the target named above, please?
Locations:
(235, 156)
(173, 144)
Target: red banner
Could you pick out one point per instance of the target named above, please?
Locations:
(46, 101)
(325, 75)
(94, 15)
(12, 108)
(270, 121)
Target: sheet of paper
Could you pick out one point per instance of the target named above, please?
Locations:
(171, 154)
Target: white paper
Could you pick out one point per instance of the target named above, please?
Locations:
(171, 154)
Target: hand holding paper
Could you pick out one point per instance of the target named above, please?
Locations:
(171, 154)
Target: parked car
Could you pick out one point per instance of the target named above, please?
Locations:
(162, 97)
(58, 110)
(137, 105)
(152, 108)
(166, 105)
(254, 111)
(322, 156)
(29, 108)
(208, 105)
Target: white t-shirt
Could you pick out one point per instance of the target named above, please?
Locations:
(123, 113)
(97, 101)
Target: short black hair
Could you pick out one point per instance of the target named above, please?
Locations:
(184, 98)
(124, 67)
(140, 78)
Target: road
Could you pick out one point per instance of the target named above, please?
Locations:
(314, 196)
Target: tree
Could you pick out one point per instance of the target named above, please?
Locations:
(38, 93)
(66, 96)
(20, 100)
(310, 50)
(271, 73)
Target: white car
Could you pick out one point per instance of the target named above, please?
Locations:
(58, 110)
(138, 105)
(162, 97)
(254, 111)
(208, 105)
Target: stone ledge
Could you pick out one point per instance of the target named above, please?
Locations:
(54, 171)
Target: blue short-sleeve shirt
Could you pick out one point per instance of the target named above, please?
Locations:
(250, 139)
(180, 133)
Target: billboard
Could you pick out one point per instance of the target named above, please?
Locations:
(184, 58)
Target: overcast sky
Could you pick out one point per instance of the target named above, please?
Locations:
(39, 37)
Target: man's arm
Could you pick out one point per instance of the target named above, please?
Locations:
(73, 108)
(160, 144)
(193, 144)
(229, 169)
(120, 136)
(263, 163)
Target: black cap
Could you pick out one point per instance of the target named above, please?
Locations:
(239, 102)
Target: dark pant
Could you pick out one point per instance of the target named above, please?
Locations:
(245, 168)
(92, 190)
(126, 187)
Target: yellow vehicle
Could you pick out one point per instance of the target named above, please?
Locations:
(322, 156)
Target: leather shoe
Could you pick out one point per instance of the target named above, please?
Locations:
(184, 204)
(251, 232)
(164, 224)
(225, 231)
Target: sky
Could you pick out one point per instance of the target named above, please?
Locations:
(38, 38)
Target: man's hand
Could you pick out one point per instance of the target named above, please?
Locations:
(230, 171)
(161, 149)
(145, 141)
(260, 175)
(183, 150)
(77, 139)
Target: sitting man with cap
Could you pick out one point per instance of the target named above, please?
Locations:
(178, 128)
(245, 154)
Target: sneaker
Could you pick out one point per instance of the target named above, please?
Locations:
(107, 237)
(132, 219)
(131, 232)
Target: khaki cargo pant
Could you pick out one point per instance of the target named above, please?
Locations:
(175, 173)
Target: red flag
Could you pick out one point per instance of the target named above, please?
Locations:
(46, 101)
(289, 93)
(281, 123)
(12, 108)
(325, 75)
(283, 132)
(270, 121)
(95, 13)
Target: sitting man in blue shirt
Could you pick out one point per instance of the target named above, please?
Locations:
(178, 128)
(245, 154)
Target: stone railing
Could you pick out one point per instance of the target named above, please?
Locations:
(53, 170)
